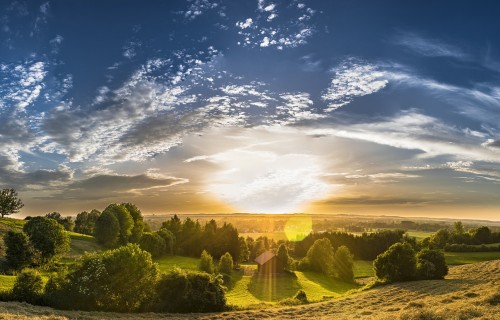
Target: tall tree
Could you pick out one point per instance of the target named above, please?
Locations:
(9, 202)
(48, 237)
(107, 229)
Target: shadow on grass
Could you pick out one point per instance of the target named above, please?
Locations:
(333, 285)
(273, 287)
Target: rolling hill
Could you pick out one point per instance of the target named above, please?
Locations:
(469, 292)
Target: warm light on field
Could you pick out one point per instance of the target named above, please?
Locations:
(297, 228)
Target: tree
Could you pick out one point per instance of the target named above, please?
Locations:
(440, 239)
(458, 227)
(283, 256)
(107, 229)
(244, 250)
(85, 221)
(320, 256)
(19, 253)
(226, 263)
(206, 262)
(398, 263)
(431, 264)
(169, 240)
(343, 264)
(48, 237)
(28, 286)
(481, 235)
(188, 291)
(138, 227)
(153, 243)
(125, 221)
(67, 222)
(112, 280)
(9, 202)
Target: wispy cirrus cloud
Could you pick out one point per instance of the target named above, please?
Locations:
(428, 46)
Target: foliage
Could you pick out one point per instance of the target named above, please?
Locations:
(206, 262)
(19, 253)
(48, 237)
(187, 291)
(343, 264)
(301, 296)
(320, 256)
(9, 202)
(67, 222)
(138, 227)
(169, 239)
(125, 221)
(226, 263)
(398, 263)
(28, 286)
(113, 280)
(283, 256)
(85, 221)
(440, 239)
(107, 229)
(364, 247)
(244, 250)
(153, 243)
(431, 264)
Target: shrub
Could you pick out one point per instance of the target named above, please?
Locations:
(283, 256)
(28, 286)
(183, 291)
(169, 240)
(113, 280)
(206, 262)
(343, 264)
(48, 237)
(153, 243)
(107, 229)
(226, 263)
(398, 263)
(301, 296)
(320, 256)
(19, 253)
(431, 264)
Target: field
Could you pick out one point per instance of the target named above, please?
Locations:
(469, 292)
(458, 258)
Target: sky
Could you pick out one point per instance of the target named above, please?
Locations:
(220, 106)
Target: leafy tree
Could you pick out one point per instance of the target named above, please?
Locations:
(169, 240)
(153, 243)
(188, 291)
(283, 256)
(28, 286)
(398, 263)
(125, 221)
(431, 264)
(107, 229)
(226, 263)
(440, 239)
(206, 262)
(113, 280)
(458, 227)
(9, 202)
(343, 264)
(19, 253)
(85, 221)
(48, 237)
(244, 250)
(481, 235)
(138, 227)
(258, 248)
(66, 222)
(320, 256)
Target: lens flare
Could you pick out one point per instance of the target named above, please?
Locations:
(297, 228)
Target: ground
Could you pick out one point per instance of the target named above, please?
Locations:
(469, 292)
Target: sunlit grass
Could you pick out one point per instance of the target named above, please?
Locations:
(6, 283)
(169, 263)
(363, 268)
(458, 258)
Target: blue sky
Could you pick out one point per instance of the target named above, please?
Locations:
(372, 107)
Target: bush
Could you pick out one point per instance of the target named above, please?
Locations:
(301, 296)
(320, 257)
(153, 243)
(226, 263)
(343, 264)
(48, 237)
(431, 264)
(206, 262)
(107, 229)
(28, 287)
(398, 263)
(19, 253)
(113, 280)
(283, 256)
(182, 291)
(169, 240)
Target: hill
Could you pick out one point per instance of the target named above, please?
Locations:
(469, 292)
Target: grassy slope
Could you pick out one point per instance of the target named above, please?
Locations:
(469, 292)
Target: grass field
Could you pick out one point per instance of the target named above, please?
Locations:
(420, 235)
(363, 268)
(169, 263)
(6, 282)
(458, 258)
(81, 243)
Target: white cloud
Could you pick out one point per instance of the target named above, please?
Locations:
(246, 24)
(353, 79)
(428, 47)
